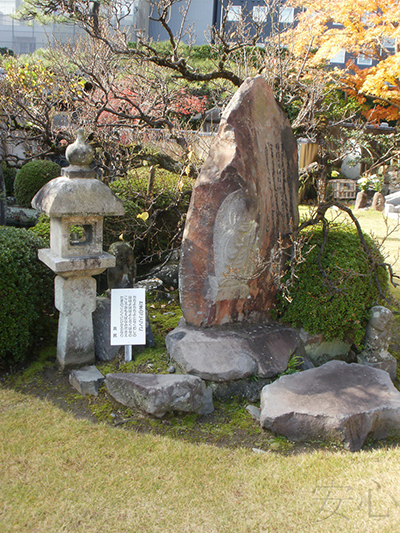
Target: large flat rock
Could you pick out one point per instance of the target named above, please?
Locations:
(244, 202)
(232, 352)
(156, 394)
(336, 401)
(211, 355)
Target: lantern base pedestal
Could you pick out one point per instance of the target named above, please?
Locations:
(75, 298)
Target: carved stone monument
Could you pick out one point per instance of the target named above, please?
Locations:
(244, 201)
(243, 206)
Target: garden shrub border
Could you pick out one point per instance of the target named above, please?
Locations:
(27, 296)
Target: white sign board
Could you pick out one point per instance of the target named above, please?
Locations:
(128, 317)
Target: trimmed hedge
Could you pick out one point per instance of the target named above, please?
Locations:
(31, 178)
(27, 295)
(336, 314)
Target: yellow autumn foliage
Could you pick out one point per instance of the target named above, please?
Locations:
(144, 216)
(367, 27)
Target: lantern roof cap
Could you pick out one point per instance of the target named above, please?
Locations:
(70, 197)
(77, 192)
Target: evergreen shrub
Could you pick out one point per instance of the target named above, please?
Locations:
(42, 229)
(9, 174)
(31, 178)
(166, 207)
(27, 295)
(341, 313)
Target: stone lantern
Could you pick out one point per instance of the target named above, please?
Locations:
(76, 204)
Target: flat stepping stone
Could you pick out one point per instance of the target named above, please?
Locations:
(156, 394)
(337, 401)
(232, 352)
(211, 355)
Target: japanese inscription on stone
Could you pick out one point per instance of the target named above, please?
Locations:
(243, 204)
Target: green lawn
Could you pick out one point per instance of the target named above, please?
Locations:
(385, 230)
(61, 474)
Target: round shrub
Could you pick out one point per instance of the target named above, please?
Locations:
(31, 178)
(338, 308)
(27, 295)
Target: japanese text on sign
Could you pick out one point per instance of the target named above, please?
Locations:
(128, 317)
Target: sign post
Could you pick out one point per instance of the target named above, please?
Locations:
(128, 319)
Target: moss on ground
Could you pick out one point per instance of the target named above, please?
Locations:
(230, 425)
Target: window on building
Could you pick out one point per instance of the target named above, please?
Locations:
(339, 57)
(286, 15)
(364, 61)
(389, 43)
(25, 47)
(260, 14)
(367, 18)
(234, 13)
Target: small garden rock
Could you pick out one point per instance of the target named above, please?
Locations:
(151, 284)
(158, 394)
(320, 351)
(169, 272)
(86, 380)
(254, 411)
(376, 342)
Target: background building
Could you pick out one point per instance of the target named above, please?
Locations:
(255, 11)
(22, 38)
(202, 15)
